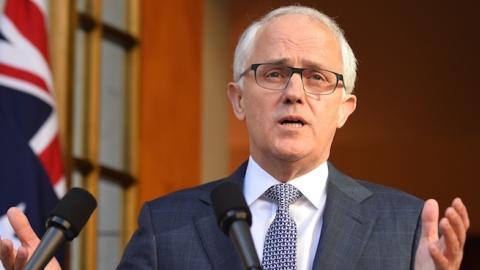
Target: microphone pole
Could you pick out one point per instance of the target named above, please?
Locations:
(244, 244)
(51, 241)
(235, 219)
(64, 223)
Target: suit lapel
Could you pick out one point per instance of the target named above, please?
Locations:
(346, 228)
(219, 248)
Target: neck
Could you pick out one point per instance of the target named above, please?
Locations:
(286, 170)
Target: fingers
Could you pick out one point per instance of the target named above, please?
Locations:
(447, 253)
(440, 261)
(7, 254)
(11, 258)
(430, 214)
(21, 258)
(453, 246)
(22, 227)
(457, 224)
(462, 210)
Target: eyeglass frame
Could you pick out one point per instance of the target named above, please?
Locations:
(299, 71)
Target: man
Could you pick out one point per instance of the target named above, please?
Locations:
(294, 74)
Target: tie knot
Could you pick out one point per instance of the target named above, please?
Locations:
(283, 194)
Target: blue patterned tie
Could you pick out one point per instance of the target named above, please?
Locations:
(279, 249)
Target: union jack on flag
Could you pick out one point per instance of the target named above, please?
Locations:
(31, 171)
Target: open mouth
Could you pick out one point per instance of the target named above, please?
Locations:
(292, 122)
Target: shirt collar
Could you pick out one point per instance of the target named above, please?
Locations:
(312, 184)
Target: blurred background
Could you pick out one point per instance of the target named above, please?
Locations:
(141, 96)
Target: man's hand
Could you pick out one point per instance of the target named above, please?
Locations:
(444, 252)
(16, 259)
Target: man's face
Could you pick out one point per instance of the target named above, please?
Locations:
(297, 41)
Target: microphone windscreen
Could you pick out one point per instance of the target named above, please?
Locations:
(229, 203)
(75, 207)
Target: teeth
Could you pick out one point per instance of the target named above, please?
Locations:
(293, 124)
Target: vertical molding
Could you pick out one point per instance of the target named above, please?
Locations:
(216, 27)
(61, 26)
(61, 47)
(92, 71)
(133, 127)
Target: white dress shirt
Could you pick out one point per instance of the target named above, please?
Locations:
(306, 211)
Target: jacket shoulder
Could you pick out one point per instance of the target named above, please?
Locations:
(371, 193)
(390, 197)
(177, 209)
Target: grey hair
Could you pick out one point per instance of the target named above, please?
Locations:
(247, 40)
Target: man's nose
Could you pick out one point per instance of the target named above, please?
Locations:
(294, 93)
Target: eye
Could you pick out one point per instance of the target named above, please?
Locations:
(316, 76)
(274, 74)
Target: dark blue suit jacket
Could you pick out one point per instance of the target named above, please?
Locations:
(366, 226)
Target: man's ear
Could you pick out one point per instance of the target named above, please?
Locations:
(235, 94)
(347, 107)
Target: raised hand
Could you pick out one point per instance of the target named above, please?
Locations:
(444, 251)
(16, 259)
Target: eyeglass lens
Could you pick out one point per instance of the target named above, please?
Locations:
(277, 77)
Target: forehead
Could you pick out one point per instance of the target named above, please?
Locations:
(299, 40)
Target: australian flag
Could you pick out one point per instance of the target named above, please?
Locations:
(31, 172)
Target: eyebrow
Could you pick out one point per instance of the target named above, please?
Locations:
(281, 61)
(307, 63)
(313, 65)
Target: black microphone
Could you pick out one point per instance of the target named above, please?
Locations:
(235, 219)
(64, 223)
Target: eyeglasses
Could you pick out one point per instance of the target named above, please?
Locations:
(277, 76)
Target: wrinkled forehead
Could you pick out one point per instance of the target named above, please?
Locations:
(297, 40)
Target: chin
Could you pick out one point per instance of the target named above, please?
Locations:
(291, 153)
